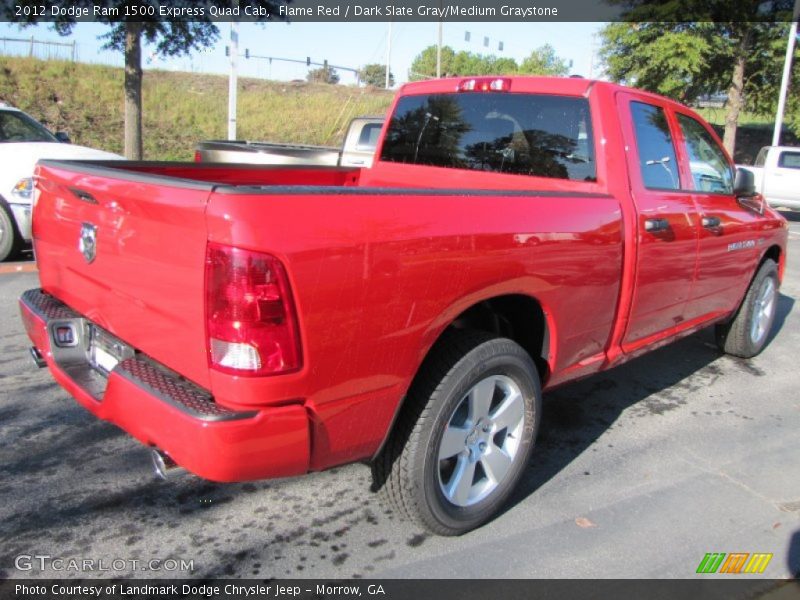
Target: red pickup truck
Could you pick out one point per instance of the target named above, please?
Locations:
(513, 234)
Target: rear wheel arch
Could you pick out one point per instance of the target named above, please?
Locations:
(518, 317)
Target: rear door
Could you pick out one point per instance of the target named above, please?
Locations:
(127, 251)
(666, 223)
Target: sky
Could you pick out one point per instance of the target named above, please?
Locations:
(346, 44)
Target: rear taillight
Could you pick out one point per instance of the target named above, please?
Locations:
(197, 156)
(484, 84)
(250, 314)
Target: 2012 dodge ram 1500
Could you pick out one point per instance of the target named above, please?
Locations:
(513, 234)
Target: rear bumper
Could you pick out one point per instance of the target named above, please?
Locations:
(162, 409)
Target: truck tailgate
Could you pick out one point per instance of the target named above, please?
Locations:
(145, 281)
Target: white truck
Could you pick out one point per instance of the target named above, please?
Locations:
(777, 175)
(23, 141)
(356, 151)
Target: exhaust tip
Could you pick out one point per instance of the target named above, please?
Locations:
(162, 463)
(37, 357)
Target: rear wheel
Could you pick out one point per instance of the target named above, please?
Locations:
(9, 238)
(747, 333)
(465, 433)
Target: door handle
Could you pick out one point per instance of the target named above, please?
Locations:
(656, 225)
(710, 222)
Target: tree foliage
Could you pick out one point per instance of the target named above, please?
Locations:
(375, 74)
(743, 59)
(541, 61)
(544, 61)
(170, 37)
(326, 74)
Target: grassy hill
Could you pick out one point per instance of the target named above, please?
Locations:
(180, 109)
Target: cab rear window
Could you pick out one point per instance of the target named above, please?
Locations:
(520, 134)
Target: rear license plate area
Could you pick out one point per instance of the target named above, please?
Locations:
(106, 351)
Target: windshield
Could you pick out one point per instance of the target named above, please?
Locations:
(19, 127)
(520, 134)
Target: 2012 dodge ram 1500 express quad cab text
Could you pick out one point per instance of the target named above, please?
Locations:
(512, 235)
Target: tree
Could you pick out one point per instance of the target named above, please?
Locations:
(685, 60)
(326, 74)
(424, 65)
(170, 38)
(375, 74)
(544, 61)
(459, 63)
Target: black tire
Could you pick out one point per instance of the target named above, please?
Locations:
(409, 471)
(10, 240)
(742, 336)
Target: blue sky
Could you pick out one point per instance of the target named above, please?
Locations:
(347, 44)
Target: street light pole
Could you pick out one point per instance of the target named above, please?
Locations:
(232, 81)
(439, 52)
(388, 54)
(787, 72)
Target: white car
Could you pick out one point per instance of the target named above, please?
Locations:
(777, 175)
(23, 141)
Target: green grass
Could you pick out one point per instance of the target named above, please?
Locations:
(716, 116)
(753, 132)
(180, 109)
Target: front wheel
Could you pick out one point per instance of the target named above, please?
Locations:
(9, 238)
(465, 434)
(747, 333)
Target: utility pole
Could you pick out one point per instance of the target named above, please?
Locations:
(388, 54)
(232, 80)
(439, 51)
(787, 72)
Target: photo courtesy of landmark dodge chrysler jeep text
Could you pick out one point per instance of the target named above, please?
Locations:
(513, 234)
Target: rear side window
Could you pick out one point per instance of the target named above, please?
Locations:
(520, 134)
(369, 136)
(710, 169)
(656, 151)
(789, 160)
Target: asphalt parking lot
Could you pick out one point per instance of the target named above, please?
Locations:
(638, 472)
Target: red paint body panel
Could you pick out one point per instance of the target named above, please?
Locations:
(380, 262)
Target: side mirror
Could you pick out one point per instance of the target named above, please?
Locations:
(744, 185)
(63, 137)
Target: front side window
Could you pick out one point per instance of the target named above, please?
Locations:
(519, 134)
(657, 160)
(789, 160)
(19, 127)
(710, 169)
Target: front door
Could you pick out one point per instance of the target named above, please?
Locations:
(728, 231)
